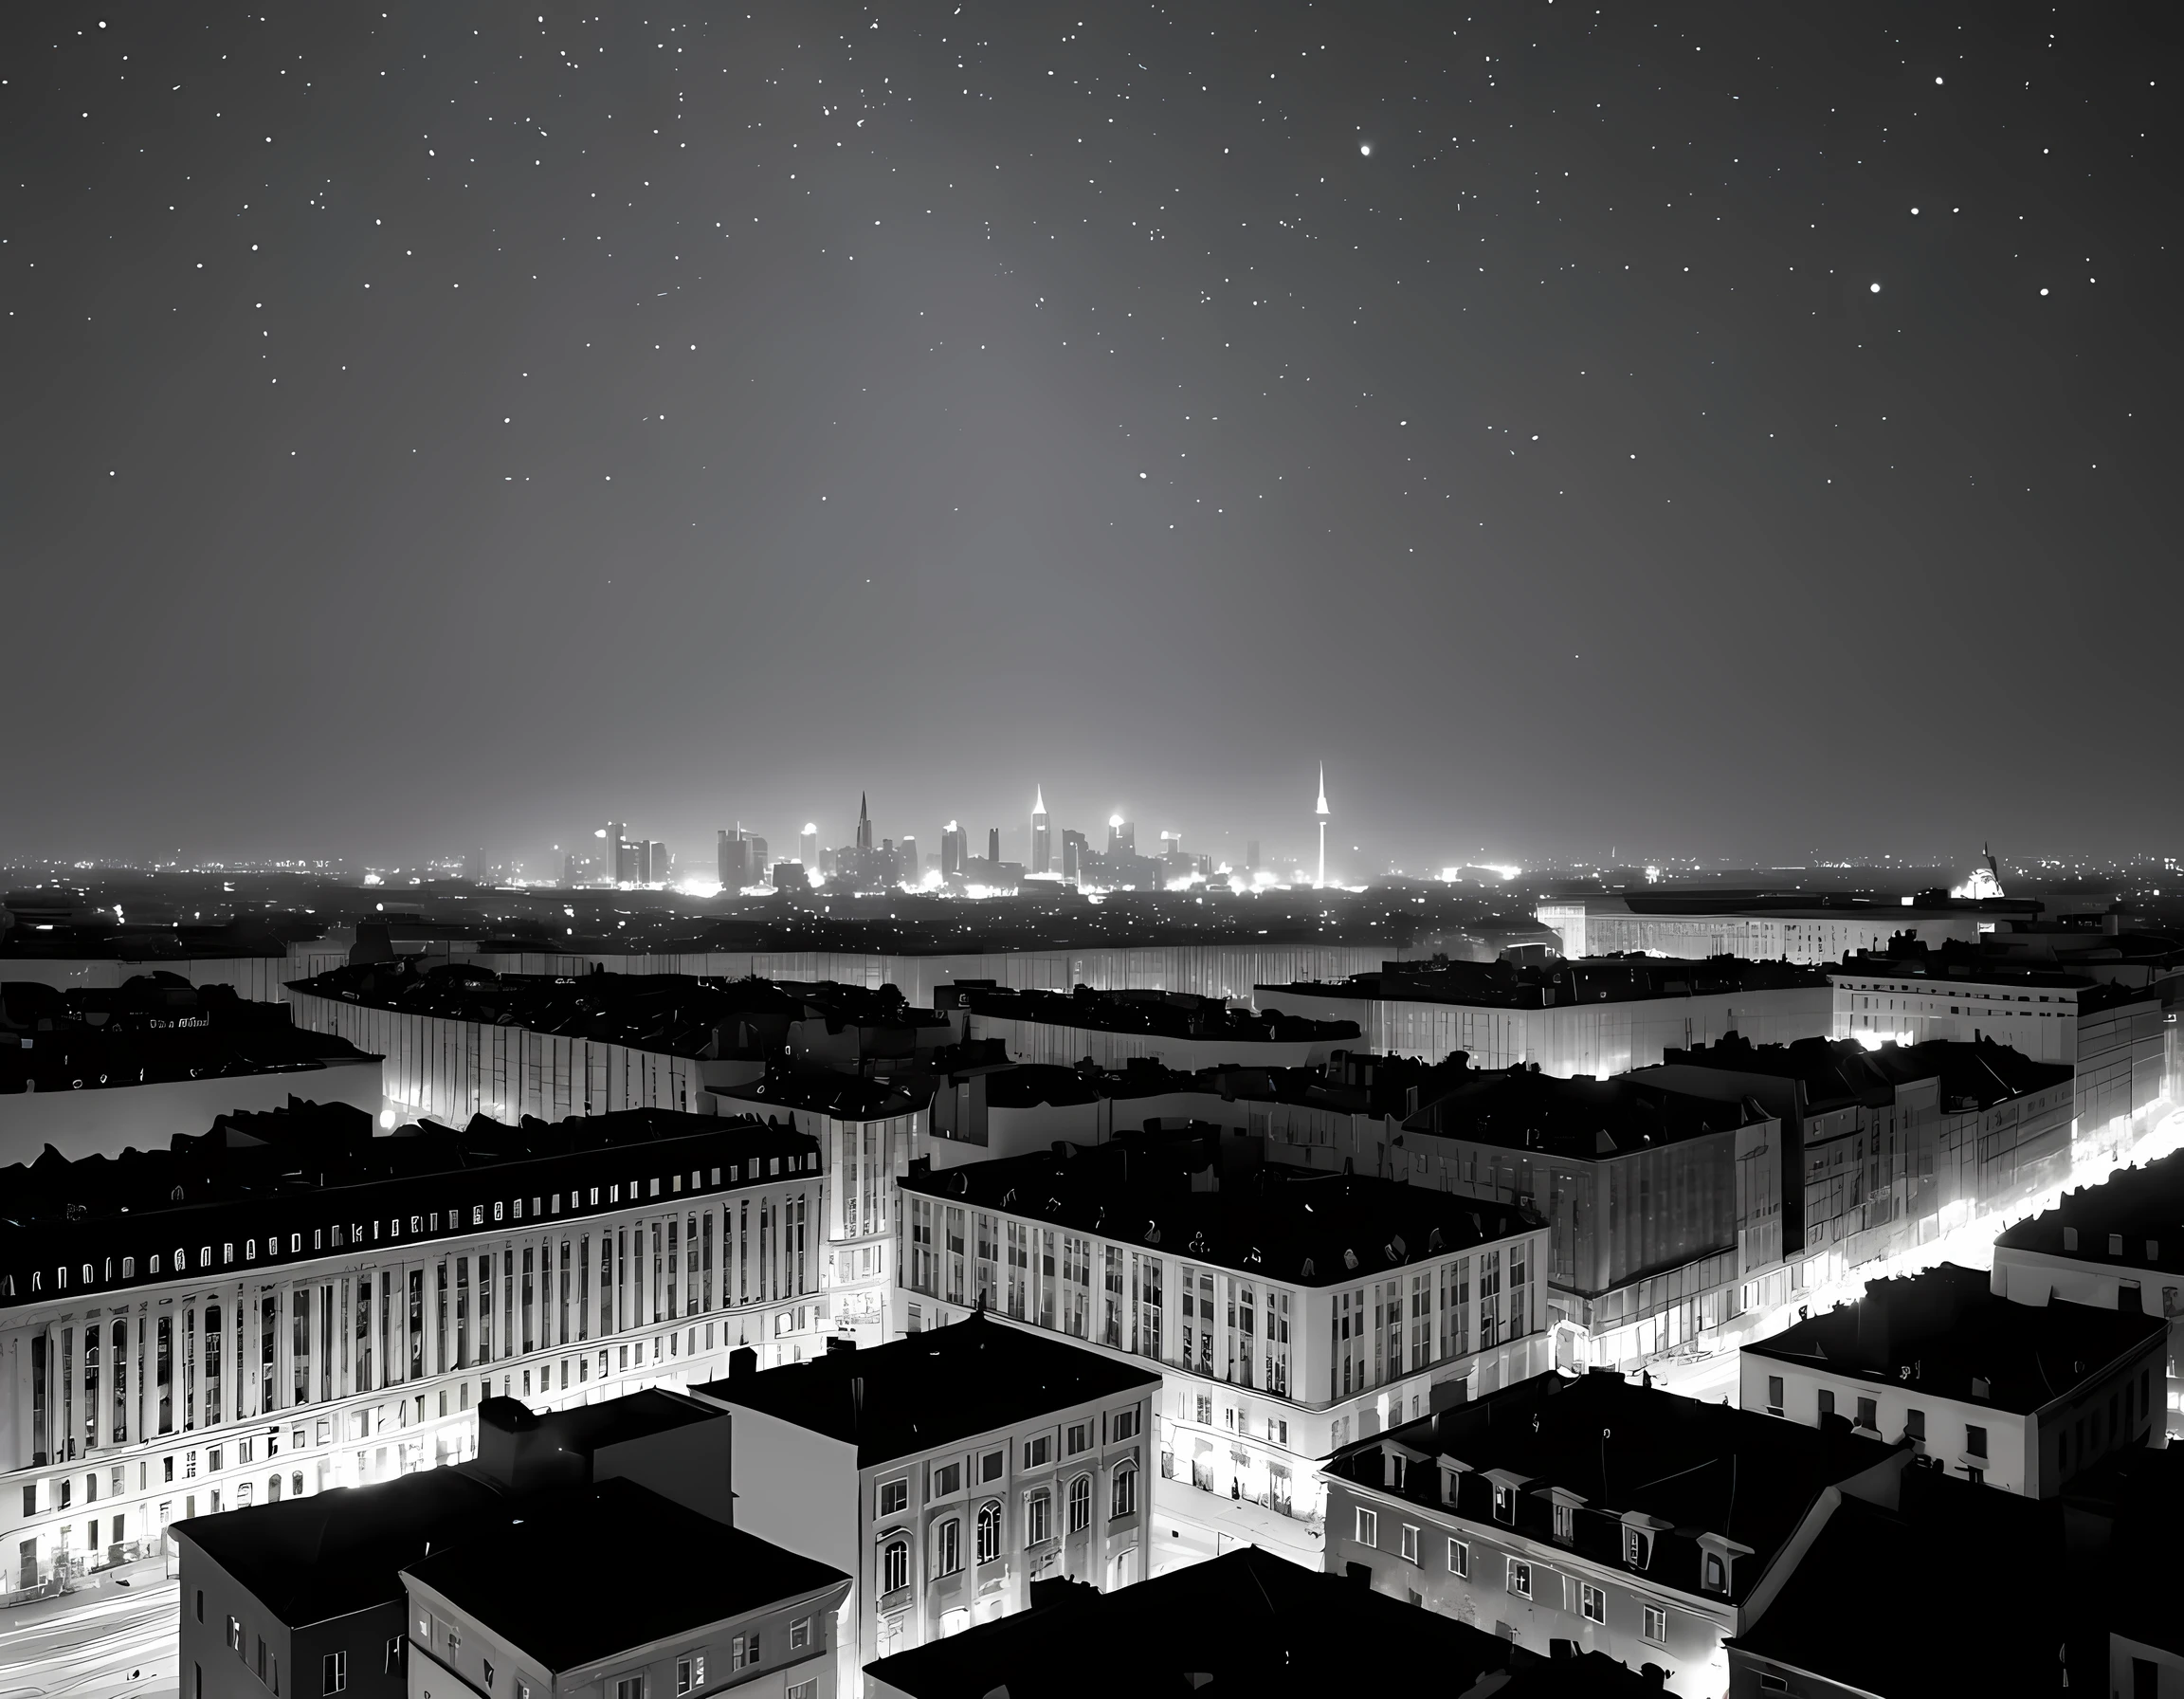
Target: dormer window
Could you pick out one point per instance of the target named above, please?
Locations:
(1637, 1547)
(1505, 1504)
(1565, 1522)
(1717, 1577)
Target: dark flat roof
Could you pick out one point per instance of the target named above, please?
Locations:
(502, 1572)
(842, 1096)
(933, 1388)
(2145, 1206)
(1948, 1329)
(1696, 1467)
(308, 1560)
(1245, 1623)
(1577, 1119)
(1613, 978)
(1299, 1226)
(1160, 1014)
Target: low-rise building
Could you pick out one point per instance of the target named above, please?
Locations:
(288, 1303)
(507, 1611)
(1596, 1016)
(944, 1472)
(2016, 1396)
(2117, 1245)
(1628, 1520)
(1179, 1028)
(1812, 928)
(1287, 1311)
(1244, 1622)
(1662, 1207)
(93, 1072)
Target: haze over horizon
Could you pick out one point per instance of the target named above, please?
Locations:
(1691, 432)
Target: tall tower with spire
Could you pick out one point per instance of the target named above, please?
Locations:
(1321, 812)
(863, 825)
(1042, 838)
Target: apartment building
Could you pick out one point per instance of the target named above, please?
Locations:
(286, 1302)
(1810, 928)
(2117, 1245)
(944, 1473)
(2022, 1397)
(1287, 1310)
(1585, 1511)
(1596, 1016)
(1662, 1207)
(1178, 1029)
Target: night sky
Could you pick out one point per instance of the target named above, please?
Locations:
(1728, 430)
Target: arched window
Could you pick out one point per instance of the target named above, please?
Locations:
(895, 1566)
(988, 1531)
(1038, 1518)
(948, 1546)
(1124, 1496)
(1080, 1504)
(273, 1489)
(295, 1484)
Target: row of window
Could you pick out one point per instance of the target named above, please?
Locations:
(1038, 1528)
(1520, 1575)
(420, 1225)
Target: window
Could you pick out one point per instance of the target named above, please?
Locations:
(1655, 1627)
(948, 1546)
(1915, 1425)
(629, 1687)
(689, 1672)
(1038, 1514)
(805, 1689)
(333, 1673)
(1716, 1576)
(1565, 1522)
(1975, 1441)
(894, 1497)
(236, 1635)
(992, 1463)
(200, 1604)
(1869, 1415)
(1504, 1504)
(1080, 1504)
(1124, 1494)
(1367, 1527)
(1079, 1438)
(487, 1664)
(390, 1657)
(1592, 1603)
(800, 1634)
(895, 1566)
(1039, 1453)
(1637, 1547)
(1125, 1425)
(1520, 1577)
(947, 1480)
(1410, 1543)
(988, 1531)
(1774, 1395)
(1826, 1397)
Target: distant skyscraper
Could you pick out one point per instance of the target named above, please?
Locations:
(1321, 812)
(864, 827)
(992, 846)
(730, 854)
(1075, 847)
(1121, 835)
(658, 865)
(951, 851)
(906, 867)
(809, 846)
(1042, 838)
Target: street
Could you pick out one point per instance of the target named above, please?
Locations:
(93, 1644)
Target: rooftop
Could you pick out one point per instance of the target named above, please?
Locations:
(1245, 1623)
(933, 1389)
(1160, 1013)
(1616, 978)
(1580, 1120)
(2134, 1219)
(1686, 1468)
(1798, 905)
(311, 1169)
(1945, 1331)
(308, 1560)
(493, 1572)
(841, 1096)
(155, 1030)
(1295, 1225)
(1836, 1071)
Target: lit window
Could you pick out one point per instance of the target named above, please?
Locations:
(1519, 1578)
(1459, 1557)
(1367, 1527)
(1594, 1604)
(1656, 1625)
(1124, 1500)
(895, 1566)
(1410, 1543)
(894, 1497)
(988, 1531)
